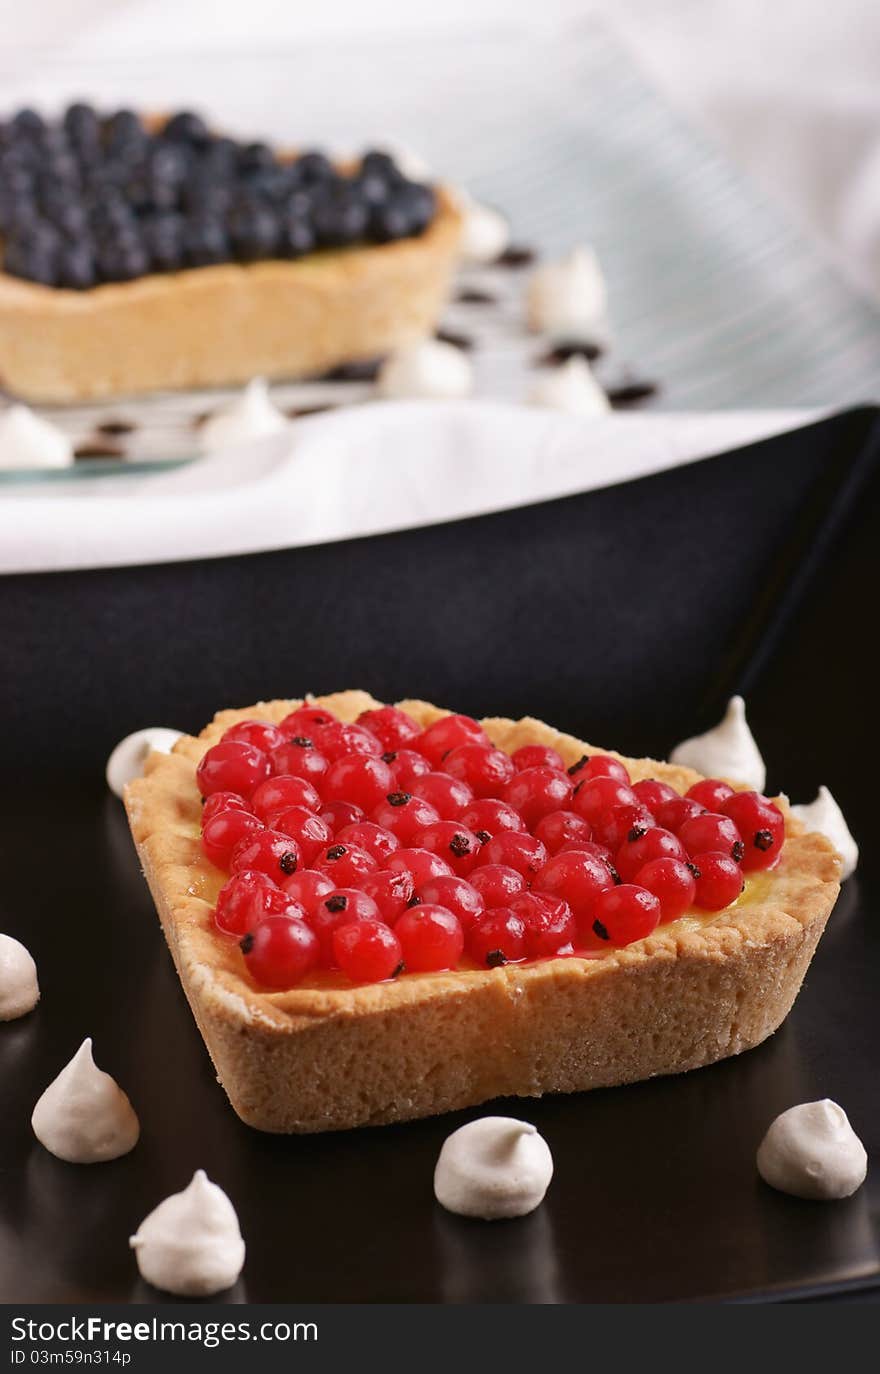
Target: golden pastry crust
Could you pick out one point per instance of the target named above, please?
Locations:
(332, 1057)
(223, 325)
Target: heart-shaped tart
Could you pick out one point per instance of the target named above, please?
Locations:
(382, 913)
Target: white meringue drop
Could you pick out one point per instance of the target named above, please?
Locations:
(571, 388)
(826, 816)
(191, 1244)
(493, 1168)
(568, 299)
(128, 758)
(84, 1116)
(431, 369)
(28, 441)
(19, 989)
(726, 751)
(251, 415)
(812, 1151)
(485, 233)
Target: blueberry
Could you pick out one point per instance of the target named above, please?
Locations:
(372, 188)
(76, 265)
(124, 135)
(82, 123)
(340, 218)
(33, 254)
(297, 237)
(253, 231)
(17, 212)
(204, 198)
(27, 124)
(255, 158)
(205, 241)
(111, 215)
(122, 257)
(186, 127)
(407, 211)
(168, 163)
(314, 167)
(377, 163)
(70, 219)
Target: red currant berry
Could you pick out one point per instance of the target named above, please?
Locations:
(246, 899)
(761, 825)
(268, 852)
(307, 887)
(550, 927)
(535, 792)
(407, 767)
(257, 732)
(358, 778)
(448, 733)
(306, 719)
(711, 793)
(522, 852)
(339, 814)
(280, 951)
(337, 741)
(393, 728)
(598, 851)
(624, 914)
(340, 907)
(405, 815)
(598, 766)
(496, 884)
(672, 814)
(711, 832)
(653, 793)
(577, 877)
(484, 768)
(300, 757)
(430, 937)
(421, 864)
(458, 896)
(719, 880)
(497, 937)
(222, 833)
(489, 818)
(612, 827)
(537, 756)
(367, 951)
(375, 839)
(672, 883)
(310, 832)
(226, 801)
(346, 863)
(449, 796)
(641, 846)
(454, 843)
(390, 891)
(559, 828)
(597, 795)
(232, 767)
(277, 794)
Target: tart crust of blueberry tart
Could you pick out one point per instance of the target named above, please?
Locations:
(309, 1059)
(222, 325)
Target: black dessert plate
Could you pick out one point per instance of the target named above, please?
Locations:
(627, 616)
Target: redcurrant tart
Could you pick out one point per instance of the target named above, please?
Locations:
(431, 938)
(624, 914)
(497, 937)
(280, 951)
(761, 825)
(232, 767)
(367, 951)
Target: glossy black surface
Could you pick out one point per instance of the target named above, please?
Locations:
(655, 1194)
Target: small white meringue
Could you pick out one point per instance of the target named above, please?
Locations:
(728, 750)
(485, 233)
(571, 388)
(431, 369)
(84, 1116)
(493, 1168)
(568, 299)
(128, 758)
(191, 1244)
(28, 441)
(812, 1151)
(826, 816)
(19, 989)
(251, 415)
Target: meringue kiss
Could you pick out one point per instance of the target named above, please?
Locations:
(84, 1116)
(191, 1244)
(19, 989)
(812, 1151)
(567, 299)
(493, 1168)
(727, 751)
(571, 388)
(251, 415)
(128, 758)
(431, 369)
(826, 816)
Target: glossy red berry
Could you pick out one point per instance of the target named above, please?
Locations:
(310, 832)
(449, 733)
(267, 852)
(390, 890)
(257, 732)
(346, 864)
(305, 719)
(549, 924)
(278, 793)
(653, 793)
(522, 852)
(225, 801)
(339, 814)
(299, 756)
(454, 843)
(641, 846)
(612, 827)
(761, 825)
(711, 793)
(497, 937)
(420, 863)
(307, 886)
(624, 914)
(358, 778)
(559, 828)
(367, 951)
(719, 880)
(375, 839)
(223, 832)
(537, 756)
(449, 796)
(487, 818)
(342, 906)
(392, 727)
(711, 832)
(231, 767)
(407, 766)
(280, 951)
(485, 769)
(598, 766)
(337, 741)
(431, 938)
(247, 898)
(598, 851)
(535, 792)
(405, 815)
(672, 814)
(496, 884)
(672, 883)
(577, 877)
(595, 796)
(458, 896)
